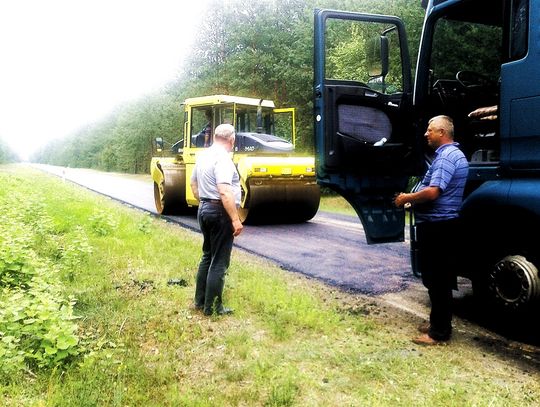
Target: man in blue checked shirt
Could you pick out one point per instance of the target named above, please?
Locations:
(436, 207)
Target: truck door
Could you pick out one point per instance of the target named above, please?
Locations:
(364, 137)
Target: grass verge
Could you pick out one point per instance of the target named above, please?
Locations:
(291, 342)
(336, 204)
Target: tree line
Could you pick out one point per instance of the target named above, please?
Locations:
(258, 49)
(7, 155)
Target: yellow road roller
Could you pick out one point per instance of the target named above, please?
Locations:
(278, 184)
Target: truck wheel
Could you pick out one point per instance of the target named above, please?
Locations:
(514, 282)
(503, 259)
(512, 285)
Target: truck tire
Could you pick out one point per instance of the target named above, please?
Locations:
(514, 282)
(507, 277)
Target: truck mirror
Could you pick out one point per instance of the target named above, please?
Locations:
(384, 55)
(159, 144)
(377, 56)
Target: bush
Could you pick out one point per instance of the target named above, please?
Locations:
(37, 328)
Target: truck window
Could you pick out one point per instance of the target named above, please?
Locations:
(348, 44)
(519, 29)
(465, 69)
(464, 46)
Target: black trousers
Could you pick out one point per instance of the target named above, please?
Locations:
(217, 231)
(438, 246)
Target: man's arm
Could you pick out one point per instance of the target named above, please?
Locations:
(424, 195)
(227, 199)
(485, 113)
(195, 188)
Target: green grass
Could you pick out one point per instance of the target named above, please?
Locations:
(291, 342)
(336, 204)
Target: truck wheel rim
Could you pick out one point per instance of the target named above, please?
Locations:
(514, 281)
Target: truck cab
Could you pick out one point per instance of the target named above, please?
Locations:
(371, 115)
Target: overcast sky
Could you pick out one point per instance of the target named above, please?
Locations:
(66, 63)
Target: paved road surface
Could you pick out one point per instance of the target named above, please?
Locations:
(330, 247)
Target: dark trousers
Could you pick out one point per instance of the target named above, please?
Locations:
(437, 252)
(217, 231)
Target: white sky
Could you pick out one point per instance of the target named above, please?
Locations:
(66, 63)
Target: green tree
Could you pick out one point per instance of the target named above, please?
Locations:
(7, 155)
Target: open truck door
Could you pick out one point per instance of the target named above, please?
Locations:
(366, 146)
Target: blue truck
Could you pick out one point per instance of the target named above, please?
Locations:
(371, 108)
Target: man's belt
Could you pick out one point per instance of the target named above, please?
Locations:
(208, 200)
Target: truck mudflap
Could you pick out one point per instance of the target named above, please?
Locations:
(280, 200)
(169, 187)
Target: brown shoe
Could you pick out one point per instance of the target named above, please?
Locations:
(427, 340)
(424, 328)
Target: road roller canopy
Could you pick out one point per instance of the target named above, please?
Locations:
(249, 116)
(223, 99)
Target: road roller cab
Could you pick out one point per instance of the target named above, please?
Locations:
(278, 184)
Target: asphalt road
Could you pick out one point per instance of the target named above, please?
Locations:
(329, 247)
(333, 248)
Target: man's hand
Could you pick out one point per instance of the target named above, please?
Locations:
(237, 227)
(227, 199)
(485, 113)
(400, 199)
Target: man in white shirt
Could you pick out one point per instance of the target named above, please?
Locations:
(216, 184)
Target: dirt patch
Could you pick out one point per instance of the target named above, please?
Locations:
(406, 310)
